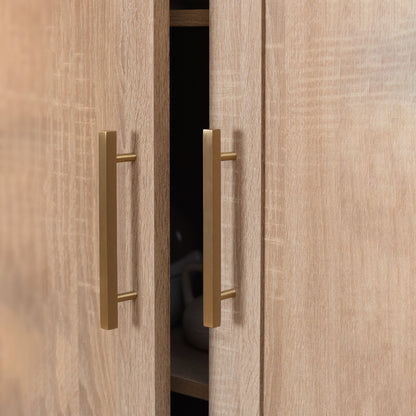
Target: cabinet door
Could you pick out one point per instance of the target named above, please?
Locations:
(68, 70)
(340, 242)
(236, 108)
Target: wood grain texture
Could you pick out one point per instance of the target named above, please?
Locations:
(189, 18)
(236, 109)
(340, 219)
(70, 70)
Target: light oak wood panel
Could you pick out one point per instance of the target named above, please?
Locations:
(340, 218)
(236, 109)
(70, 69)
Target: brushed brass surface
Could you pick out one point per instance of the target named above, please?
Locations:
(212, 158)
(109, 297)
(122, 297)
(128, 157)
(228, 156)
(226, 294)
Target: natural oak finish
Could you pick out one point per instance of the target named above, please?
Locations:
(189, 18)
(236, 109)
(70, 69)
(340, 217)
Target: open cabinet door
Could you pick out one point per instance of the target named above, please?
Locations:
(340, 243)
(236, 109)
(68, 70)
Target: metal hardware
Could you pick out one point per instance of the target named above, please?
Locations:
(109, 296)
(212, 227)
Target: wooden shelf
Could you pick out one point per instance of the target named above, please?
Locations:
(189, 18)
(189, 367)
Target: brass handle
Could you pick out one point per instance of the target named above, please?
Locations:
(212, 227)
(109, 296)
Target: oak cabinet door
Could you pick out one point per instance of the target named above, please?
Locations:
(68, 70)
(340, 217)
(236, 109)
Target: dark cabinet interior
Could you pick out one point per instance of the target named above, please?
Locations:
(189, 4)
(189, 115)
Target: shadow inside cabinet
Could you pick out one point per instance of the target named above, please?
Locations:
(189, 4)
(189, 115)
(185, 405)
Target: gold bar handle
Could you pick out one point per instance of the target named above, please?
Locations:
(109, 296)
(212, 227)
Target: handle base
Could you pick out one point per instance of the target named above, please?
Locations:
(122, 297)
(227, 294)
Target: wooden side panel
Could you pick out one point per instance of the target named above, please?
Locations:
(340, 219)
(236, 109)
(68, 70)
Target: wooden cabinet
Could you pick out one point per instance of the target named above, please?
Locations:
(70, 69)
(340, 87)
(316, 98)
(236, 108)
